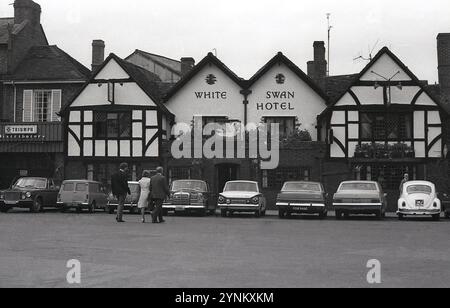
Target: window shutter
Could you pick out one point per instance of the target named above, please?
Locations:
(56, 105)
(27, 106)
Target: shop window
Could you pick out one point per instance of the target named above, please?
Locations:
(286, 124)
(386, 126)
(277, 177)
(112, 125)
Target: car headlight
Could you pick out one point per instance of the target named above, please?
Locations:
(255, 200)
(200, 197)
(28, 195)
(222, 200)
(1, 196)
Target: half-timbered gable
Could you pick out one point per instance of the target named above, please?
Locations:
(117, 116)
(387, 104)
(282, 93)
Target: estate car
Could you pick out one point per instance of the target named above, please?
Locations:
(189, 196)
(242, 197)
(419, 198)
(34, 193)
(360, 197)
(302, 198)
(131, 202)
(82, 194)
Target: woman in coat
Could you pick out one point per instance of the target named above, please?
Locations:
(145, 193)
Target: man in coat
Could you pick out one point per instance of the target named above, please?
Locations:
(159, 192)
(120, 189)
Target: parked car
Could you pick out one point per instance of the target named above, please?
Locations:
(360, 197)
(189, 196)
(243, 197)
(82, 194)
(34, 193)
(131, 202)
(302, 198)
(419, 198)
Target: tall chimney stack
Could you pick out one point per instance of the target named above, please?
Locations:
(27, 10)
(443, 50)
(186, 65)
(98, 54)
(317, 69)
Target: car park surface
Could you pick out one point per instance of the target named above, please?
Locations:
(209, 252)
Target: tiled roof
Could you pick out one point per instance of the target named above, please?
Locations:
(174, 66)
(335, 86)
(49, 63)
(4, 34)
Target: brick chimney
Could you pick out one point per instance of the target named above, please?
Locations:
(98, 54)
(317, 69)
(443, 50)
(27, 10)
(186, 65)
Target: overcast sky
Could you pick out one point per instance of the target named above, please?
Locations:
(247, 33)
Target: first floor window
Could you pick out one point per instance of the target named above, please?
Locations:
(112, 125)
(386, 126)
(277, 177)
(41, 105)
(286, 124)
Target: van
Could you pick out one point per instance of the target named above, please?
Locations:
(82, 194)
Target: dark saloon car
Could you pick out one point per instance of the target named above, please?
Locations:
(189, 196)
(131, 201)
(34, 193)
(302, 198)
(445, 199)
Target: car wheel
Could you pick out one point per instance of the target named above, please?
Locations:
(401, 217)
(447, 215)
(37, 206)
(4, 209)
(212, 212)
(323, 215)
(258, 213)
(63, 209)
(281, 213)
(338, 215)
(263, 213)
(223, 213)
(346, 215)
(79, 210)
(379, 215)
(203, 212)
(437, 217)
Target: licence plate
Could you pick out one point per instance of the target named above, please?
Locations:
(420, 203)
(11, 202)
(179, 208)
(300, 208)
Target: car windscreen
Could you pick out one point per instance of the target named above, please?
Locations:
(31, 183)
(419, 189)
(359, 186)
(302, 187)
(68, 187)
(241, 186)
(190, 185)
(81, 187)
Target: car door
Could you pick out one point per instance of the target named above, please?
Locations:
(50, 194)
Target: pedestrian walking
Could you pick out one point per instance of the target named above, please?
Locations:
(159, 192)
(144, 198)
(120, 189)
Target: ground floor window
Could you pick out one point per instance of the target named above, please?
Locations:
(274, 179)
(388, 175)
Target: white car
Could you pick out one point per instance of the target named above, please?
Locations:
(419, 198)
(242, 197)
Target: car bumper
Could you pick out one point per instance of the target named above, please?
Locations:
(302, 208)
(419, 212)
(126, 206)
(72, 205)
(239, 207)
(358, 208)
(18, 204)
(184, 207)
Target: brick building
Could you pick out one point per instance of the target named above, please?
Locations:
(36, 80)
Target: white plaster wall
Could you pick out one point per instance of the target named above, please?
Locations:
(338, 117)
(369, 95)
(404, 96)
(419, 124)
(306, 104)
(346, 100)
(386, 67)
(112, 70)
(185, 105)
(425, 100)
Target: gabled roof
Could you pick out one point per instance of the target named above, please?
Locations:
(157, 59)
(146, 80)
(382, 52)
(281, 58)
(209, 59)
(49, 63)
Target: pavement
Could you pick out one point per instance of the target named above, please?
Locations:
(215, 252)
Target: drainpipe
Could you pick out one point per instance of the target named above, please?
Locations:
(15, 101)
(246, 93)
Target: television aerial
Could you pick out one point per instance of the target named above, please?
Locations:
(369, 57)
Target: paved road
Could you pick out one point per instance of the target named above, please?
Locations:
(221, 252)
